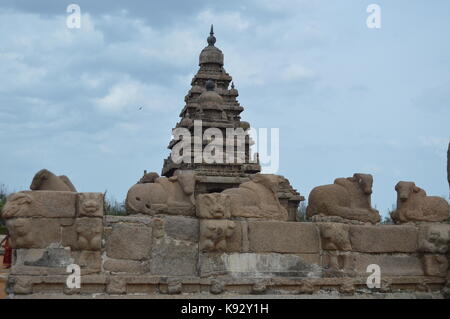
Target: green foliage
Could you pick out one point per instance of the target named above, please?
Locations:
(387, 219)
(113, 207)
(301, 212)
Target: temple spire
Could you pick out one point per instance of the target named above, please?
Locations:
(211, 39)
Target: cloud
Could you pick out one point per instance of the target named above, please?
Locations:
(295, 72)
(129, 95)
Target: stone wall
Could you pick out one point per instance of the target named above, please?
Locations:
(165, 254)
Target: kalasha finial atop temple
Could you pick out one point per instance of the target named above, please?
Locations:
(211, 39)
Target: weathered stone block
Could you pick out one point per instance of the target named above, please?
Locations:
(132, 219)
(283, 237)
(126, 266)
(116, 286)
(129, 242)
(158, 227)
(49, 257)
(171, 257)
(182, 228)
(47, 204)
(33, 232)
(383, 239)
(90, 204)
(23, 285)
(89, 260)
(435, 265)
(390, 265)
(214, 205)
(434, 238)
(259, 265)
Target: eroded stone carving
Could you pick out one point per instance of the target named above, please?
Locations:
(173, 195)
(20, 232)
(258, 198)
(46, 180)
(336, 263)
(17, 205)
(435, 265)
(413, 204)
(217, 287)
(89, 233)
(158, 228)
(23, 285)
(348, 198)
(214, 234)
(434, 238)
(90, 204)
(148, 177)
(214, 205)
(174, 287)
(259, 288)
(335, 236)
(116, 286)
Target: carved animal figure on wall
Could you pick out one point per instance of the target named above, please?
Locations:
(44, 180)
(173, 195)
(257, 198)
(213, 205)
(17, 205)
(348, 198)
(413, 204)
(214, 234)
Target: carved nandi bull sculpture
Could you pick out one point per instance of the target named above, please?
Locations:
(257, 198)
(44, 180)
(173, 195)
(413, 204)
(348, 198)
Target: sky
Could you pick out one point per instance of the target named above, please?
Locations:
(346, 98)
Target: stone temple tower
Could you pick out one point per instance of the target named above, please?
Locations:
(212, 100)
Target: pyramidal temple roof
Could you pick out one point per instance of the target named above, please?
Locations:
(212, 99)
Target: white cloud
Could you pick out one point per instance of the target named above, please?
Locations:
(131, 95)
(295, 72)
(229, 20)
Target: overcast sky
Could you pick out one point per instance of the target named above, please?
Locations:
(346, 98)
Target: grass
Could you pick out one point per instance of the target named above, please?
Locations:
(113, 207)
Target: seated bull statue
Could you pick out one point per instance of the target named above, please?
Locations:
(45, 180)
(414, 205)
(257, 198)
(173, 195)
(348, 198)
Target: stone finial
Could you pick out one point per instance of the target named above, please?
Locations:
(211, 39)
(232, 85)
